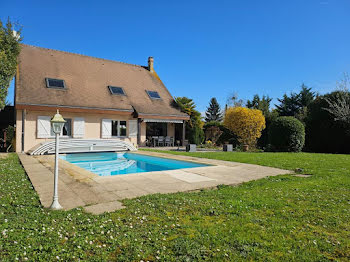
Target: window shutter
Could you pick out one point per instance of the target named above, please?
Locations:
(106, 128)
(78, 127)
(44, 127)
(132, 128)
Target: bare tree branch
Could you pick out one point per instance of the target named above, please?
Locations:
(340, 106)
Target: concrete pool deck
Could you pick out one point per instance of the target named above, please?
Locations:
(97, 194)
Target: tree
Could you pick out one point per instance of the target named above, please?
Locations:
(246, 123)
(289, 105)
(296, 103)
(306, 96)
(233, 101)
(340, 106)
(287, 134)
(9, 51)
(324, 134)
(213, 112)
(194, 126)
(227, 136)
(188, 106)
(262, 104)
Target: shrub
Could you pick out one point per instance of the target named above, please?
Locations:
(212, 134)
(263, 141)
(226, 137)
(287, 133)
(195, 135)
(323, 133)
(246, 123)
(10, 132)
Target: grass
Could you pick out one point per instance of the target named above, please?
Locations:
(278, 218)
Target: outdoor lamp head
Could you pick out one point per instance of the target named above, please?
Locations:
(57, 123)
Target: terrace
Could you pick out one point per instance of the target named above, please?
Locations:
(80, 187)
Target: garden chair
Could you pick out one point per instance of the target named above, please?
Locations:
(161, 140)
(167, 141)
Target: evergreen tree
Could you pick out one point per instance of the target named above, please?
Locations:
(296, 103)
(213, 112)
(9, 51)
(306, 96)
(262, 104)
(289, 105)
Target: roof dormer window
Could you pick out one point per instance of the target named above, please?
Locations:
(153, 94)
(55, 83)
(115, 90)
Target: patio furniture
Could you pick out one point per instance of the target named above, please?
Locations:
(154, 140)
(167, 141)
(178, 144)
(161, 140)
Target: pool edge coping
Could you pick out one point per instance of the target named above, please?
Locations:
(83, 175)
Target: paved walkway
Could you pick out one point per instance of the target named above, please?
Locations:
(78, 187)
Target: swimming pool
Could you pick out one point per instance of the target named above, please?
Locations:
(111, 164)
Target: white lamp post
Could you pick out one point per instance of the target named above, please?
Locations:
(57, 123)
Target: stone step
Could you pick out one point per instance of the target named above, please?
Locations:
(104, 207)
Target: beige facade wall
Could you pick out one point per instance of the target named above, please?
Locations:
(171, 129)
(143, 134)
(18, 133)
(92, 127)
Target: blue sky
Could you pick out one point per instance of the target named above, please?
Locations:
(202, 48)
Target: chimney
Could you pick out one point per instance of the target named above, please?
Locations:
(150, 64)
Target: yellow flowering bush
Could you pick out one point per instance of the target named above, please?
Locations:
(245, 123)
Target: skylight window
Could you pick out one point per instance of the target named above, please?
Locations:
(55, 83)
(115, 90)
(153, 94)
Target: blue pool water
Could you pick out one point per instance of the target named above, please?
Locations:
(110, 164)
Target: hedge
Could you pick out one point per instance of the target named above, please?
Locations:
(286, 134)
(323, 133)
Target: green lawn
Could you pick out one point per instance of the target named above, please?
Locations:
(278, 218)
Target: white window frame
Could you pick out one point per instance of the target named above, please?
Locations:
(71, 129)
(118, 128)
(52, 134)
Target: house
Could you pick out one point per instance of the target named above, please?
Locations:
(98, 98)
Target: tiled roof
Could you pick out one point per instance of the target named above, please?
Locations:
(86, 80)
